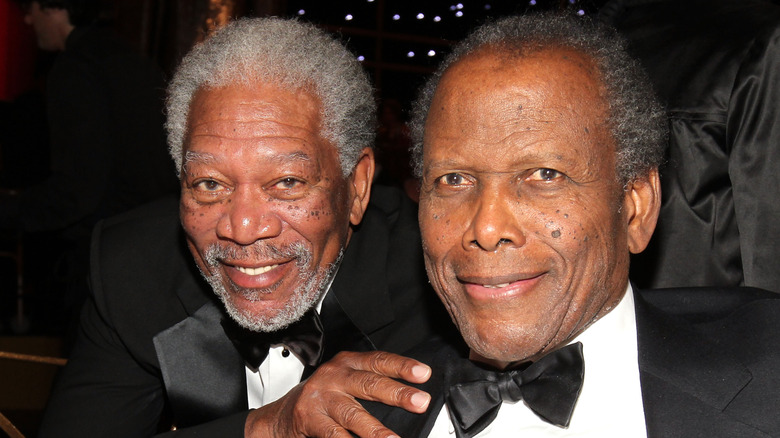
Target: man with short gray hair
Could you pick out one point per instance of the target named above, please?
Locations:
(538, 145)
(271, 125)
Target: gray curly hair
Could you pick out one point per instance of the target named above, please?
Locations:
(636, 119)
(289, 53)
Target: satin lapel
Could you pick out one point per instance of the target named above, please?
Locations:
(680, 367)
(203, 373)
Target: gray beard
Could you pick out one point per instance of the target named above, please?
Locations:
(313, 287)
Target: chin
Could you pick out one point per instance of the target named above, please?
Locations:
(249, 310)
(267, 318)
(503, 346)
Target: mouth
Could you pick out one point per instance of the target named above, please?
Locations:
(502, 286)
(261, 268)
(255, 271)
(496, 286)
(258, 276)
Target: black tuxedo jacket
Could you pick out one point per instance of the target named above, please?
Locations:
(151, 350)
(711, 369)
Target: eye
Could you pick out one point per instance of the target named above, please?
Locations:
(288, 188)
(208, 190)
(207, 185)
(451, 179)
(545, 174)
(288, 183)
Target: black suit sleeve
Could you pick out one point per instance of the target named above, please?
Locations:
(112, 385)
(105, 390)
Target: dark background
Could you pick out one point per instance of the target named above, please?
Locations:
(164, 30)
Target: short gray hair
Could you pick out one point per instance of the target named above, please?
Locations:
(636, 119)
(288, 53)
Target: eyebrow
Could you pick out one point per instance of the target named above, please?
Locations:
(292, 156)
(530, 157)
(191, 157)
(194, 157)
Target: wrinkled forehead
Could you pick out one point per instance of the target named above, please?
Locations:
(246, 110)
(552, 71)
(251, 97)
(256, 120)
(549, 88)
(496, 112)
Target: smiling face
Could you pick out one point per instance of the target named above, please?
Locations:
(264, 204)
(526, 228)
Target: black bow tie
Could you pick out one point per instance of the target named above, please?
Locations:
(550, 387)
(303, 338)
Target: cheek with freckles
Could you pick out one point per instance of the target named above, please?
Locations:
(442, 228)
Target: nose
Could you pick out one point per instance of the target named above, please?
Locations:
(495, 223)
(249, 218)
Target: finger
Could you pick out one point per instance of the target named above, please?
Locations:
(390, 365)
(350, 415)
(326, 427)
(368, 385)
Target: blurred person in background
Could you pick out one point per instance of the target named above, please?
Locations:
(104, 106)
(715, 65)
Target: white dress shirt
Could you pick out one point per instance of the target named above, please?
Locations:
(610, 404)
(278, 374)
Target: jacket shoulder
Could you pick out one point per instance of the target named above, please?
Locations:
(141, 269)
(709, 361)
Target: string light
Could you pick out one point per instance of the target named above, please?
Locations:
(457, 9)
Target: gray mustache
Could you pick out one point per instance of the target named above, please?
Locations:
(217, 252)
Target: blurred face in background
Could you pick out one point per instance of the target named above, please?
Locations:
(51, 25)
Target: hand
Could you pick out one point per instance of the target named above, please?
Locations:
(324, 405)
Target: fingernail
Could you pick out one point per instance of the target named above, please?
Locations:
(421, 371)
(421, 399)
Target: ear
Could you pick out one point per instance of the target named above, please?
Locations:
(642, 204)
(360, 185)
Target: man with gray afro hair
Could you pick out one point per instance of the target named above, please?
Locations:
(292, 54)
(271, 125)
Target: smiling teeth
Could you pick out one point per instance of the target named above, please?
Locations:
(495, 286)
(255, 271)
